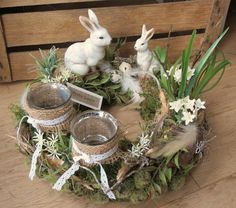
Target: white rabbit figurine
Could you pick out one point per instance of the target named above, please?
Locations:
(145, 59)
(79, 57)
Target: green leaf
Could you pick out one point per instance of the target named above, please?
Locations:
(185, 63)
(216, 83)
(157, 188)
(115, 87)
(104, 79)
(160, 53)
(162, 177)
(165, 83)
(61, 140)
(187, 168)
(184, 150)
(168, 173)
(91, 77)
(102, 93)
(208, 77)
(48, 62)
(202, 62)
(176, 160)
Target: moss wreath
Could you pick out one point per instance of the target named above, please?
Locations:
(173, 135)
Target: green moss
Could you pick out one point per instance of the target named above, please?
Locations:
(125, 189)
(79, 190)
(151, 99)
(125, 144)
(148, 107)
(142, 179)
(177, 182)
(17, 111)
(99, 197)
(138, 195)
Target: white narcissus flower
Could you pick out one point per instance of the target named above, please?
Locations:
(187, 117)
(178, 75)
(177, 67)
(200, 104)
(188, 107)
(190, 73)
(188, 103)
(176, 105)
(165, 75)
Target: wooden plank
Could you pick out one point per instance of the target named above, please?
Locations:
(22, 62)
(221, 114)
(63, 26)
(5, 73)
(218, 195)
(16, 3)
(176, 45)
(216, 21)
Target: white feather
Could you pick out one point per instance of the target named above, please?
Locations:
(184, 139)
(23, 97)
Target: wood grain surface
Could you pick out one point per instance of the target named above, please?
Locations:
(50, 27)
(5, 73)
(22, 63)
(217, 19)
(211, 185)
(16, 3)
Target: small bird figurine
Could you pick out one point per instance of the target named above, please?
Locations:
(129, 81)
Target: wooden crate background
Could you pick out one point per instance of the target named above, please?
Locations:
(27, 25)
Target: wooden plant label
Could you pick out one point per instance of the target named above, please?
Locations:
(85, 97)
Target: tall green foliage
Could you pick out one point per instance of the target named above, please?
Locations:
(206, 68)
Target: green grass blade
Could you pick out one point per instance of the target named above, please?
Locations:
(207, 79)
(210, 64)
(202, 62)
(185, 62)
(216, 83)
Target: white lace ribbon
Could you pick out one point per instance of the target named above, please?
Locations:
(36, 154)
(91, 159)
(39, 145)
(35, 123)
(62, 180)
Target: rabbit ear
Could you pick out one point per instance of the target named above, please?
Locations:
(144, 30)
(149, 34)
(88, 24)
(93, 17)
